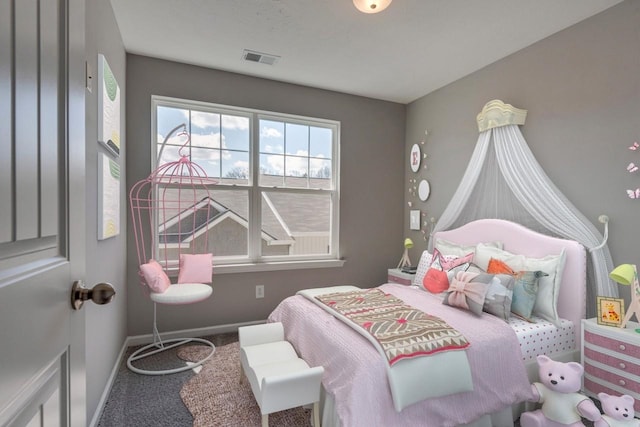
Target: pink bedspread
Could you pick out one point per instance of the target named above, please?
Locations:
(355, 373)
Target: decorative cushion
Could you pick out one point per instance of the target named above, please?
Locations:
(437, 280)
(548, 286)
(195, 268)
(155, 277)
(465, 292)
(449, 248)
(497, 266)
(498, 300)
(423, 266)
(525, 292)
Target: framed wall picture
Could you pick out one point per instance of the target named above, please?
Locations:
(108, 197)
(108, 108)
(610, 311)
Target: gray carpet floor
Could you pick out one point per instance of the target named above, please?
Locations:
(154, 400)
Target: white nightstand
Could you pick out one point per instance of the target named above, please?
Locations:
(611, 360)
(395, 275)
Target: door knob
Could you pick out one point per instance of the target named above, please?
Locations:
(102, 293)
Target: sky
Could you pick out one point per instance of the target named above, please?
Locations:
(220, 144)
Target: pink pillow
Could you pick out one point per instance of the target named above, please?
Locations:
(196, 268)
(155, 277)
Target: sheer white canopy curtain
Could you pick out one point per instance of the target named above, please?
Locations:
(504, 180)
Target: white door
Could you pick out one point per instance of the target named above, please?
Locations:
(42, 378)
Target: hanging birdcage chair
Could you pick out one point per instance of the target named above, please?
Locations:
(171, 211)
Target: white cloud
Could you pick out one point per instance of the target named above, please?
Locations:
(203, 120)
(268, 132)
(235, 122)
(211, 140)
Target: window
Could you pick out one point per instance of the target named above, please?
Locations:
(276, 196)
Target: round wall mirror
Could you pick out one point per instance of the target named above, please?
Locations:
(423, 190)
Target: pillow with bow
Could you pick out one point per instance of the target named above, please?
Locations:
(466, 292)
(436, 280)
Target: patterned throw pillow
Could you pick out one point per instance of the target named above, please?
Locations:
(437, 278)
(525, 288)
(525, 293)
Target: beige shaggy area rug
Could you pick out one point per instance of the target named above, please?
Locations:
(215, 396)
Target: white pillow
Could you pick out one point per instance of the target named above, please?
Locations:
(423, 266)
(548, 286)
(449, 248)
(485, 252)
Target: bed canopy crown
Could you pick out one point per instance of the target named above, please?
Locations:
(503, 180)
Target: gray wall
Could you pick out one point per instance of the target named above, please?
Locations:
(106, 259)
(582, 90)
(372, 173)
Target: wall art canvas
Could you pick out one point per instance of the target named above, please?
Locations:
(610, 311)
(108, 107)
(108, 197)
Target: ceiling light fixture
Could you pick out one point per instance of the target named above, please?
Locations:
(371, 6)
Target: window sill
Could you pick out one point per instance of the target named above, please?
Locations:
(275, 266)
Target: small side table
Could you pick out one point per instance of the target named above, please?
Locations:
(395, 275)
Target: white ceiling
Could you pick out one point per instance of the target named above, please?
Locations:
(407, 51)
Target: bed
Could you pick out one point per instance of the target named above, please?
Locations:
(356, 385)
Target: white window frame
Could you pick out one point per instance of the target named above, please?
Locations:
(253, 261)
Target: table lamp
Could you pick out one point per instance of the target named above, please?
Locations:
(627, 274)
(405, 261)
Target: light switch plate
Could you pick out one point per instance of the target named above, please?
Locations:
(414, 220)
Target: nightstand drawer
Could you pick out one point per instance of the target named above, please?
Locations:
(614, 362)
(395, 275)
(612, 378)
(612, 344)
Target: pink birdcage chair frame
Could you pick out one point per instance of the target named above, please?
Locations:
(171, 212)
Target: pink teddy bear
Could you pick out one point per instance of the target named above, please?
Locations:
(618, 411)
(562, 405)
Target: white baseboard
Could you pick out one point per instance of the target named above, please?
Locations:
(147, 339)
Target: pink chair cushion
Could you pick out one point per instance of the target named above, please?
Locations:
(196, 268)
(155, 277)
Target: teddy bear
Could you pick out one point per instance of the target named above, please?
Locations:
(618, 411)
(562, 405)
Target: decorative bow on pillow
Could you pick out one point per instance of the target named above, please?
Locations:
(465, 293)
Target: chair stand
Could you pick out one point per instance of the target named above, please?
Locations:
(158, 346)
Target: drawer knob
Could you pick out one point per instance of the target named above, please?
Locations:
(622, 347)
(622, 382)
(622, 366)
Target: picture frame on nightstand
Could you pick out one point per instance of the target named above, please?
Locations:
(610, 311)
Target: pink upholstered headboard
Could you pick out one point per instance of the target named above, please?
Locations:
(518, 239)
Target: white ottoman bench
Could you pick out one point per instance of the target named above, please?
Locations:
(279, 379)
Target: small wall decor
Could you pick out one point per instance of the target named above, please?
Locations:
(415, 158)
(414, 220)
(108, 197)
(108, 108)
(610, 311)
(633, 168)
(424, 190)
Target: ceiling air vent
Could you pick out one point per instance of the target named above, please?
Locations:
(262, 58)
